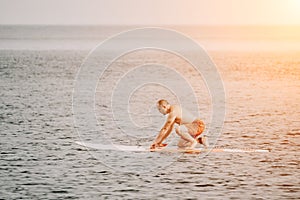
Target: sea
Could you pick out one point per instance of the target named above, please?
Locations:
(62, 84)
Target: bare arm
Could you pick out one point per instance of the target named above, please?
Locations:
(165, 131)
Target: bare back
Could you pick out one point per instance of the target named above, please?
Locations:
(181, 115)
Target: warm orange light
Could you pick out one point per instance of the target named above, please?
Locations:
(293, 7)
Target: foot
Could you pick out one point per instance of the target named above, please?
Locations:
(204, 141)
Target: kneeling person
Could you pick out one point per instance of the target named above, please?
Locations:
(189, 129)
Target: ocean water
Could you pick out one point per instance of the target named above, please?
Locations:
(39, 65)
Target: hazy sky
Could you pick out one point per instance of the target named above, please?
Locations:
(150, 12)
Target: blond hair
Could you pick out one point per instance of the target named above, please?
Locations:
(162, 102)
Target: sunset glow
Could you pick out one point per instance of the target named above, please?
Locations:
(156, 12)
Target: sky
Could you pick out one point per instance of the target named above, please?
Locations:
(150, 12)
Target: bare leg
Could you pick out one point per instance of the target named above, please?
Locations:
(183, 143)
(186, 139)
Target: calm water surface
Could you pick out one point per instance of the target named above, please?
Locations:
(39, 159)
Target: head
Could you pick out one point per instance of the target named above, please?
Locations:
(163, 106)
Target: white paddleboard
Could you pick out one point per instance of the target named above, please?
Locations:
(163, 149)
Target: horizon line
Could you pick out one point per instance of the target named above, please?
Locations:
(159, 25)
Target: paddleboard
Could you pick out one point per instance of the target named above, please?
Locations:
(165, 149)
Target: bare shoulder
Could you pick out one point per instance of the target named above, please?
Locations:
(175, 110)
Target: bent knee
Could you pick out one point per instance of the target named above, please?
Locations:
(183, 143)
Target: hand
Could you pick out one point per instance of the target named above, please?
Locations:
(155, 145)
